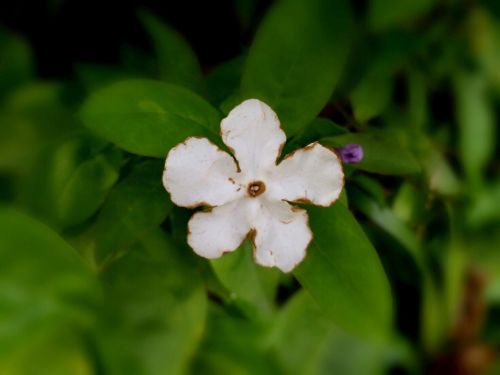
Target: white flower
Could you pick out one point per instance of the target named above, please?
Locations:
(252, 199)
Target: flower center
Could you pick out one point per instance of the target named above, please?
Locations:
(256, 188)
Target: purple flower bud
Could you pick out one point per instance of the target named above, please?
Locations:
(351, 153)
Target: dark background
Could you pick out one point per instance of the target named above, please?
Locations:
(65, 32)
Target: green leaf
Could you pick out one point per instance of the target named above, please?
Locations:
(96, 76)
(58, 352)
(233, 345)
(383, 14)
(441, 178)
(365, 104)
(484, 37)
(384, 151)
(147, 117)
(224, 80)
(81, 175)
(297, 57)
(417, 99)
(408, 204)
(484, 207)
(307, 343)
(247, 282)
(155, 310)
(435, 324)
(135, 206)
(298, 335)
(343, 273)
(44, 285)
(177, 62)
(385, 218)
(476, 121)
(16, 61)
(317, 129)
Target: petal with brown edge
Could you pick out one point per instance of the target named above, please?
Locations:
(252, 131)
(198, 173)
(220, 230)
(282, 235)
(312, 175)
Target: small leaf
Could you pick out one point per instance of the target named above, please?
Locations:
(233, 345)
(385, 218)
(95, 76)
(434, 326)
(16, 61)
(365, 104)
(317, 129)
(135, 206)
(384, 151)
(147, 117)
(417, 99)
(248, 282)
(344, 275)
(296, 58)
(383, 14)
(80, 179)
(476, 121)
(441, 178)
(224, 80)
(484, 208)
(177, 62)
(484, 37)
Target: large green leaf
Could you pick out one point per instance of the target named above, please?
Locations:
(344, 274)
(44, 285)
(148, 117)
(155, 309)
(177, 62)
(296, 58)
(384, 151)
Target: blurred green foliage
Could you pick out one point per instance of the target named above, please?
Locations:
(403, 275)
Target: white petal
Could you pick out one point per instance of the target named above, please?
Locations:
(282, 235)
(252, 130)
(198, 173)
(221, 230)
(312, 174)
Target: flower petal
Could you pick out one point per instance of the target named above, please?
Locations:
(281, 235)
(252, 130)
(198, 173)
(221, 230)
(312, 174)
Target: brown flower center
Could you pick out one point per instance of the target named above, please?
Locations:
(256, 188)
